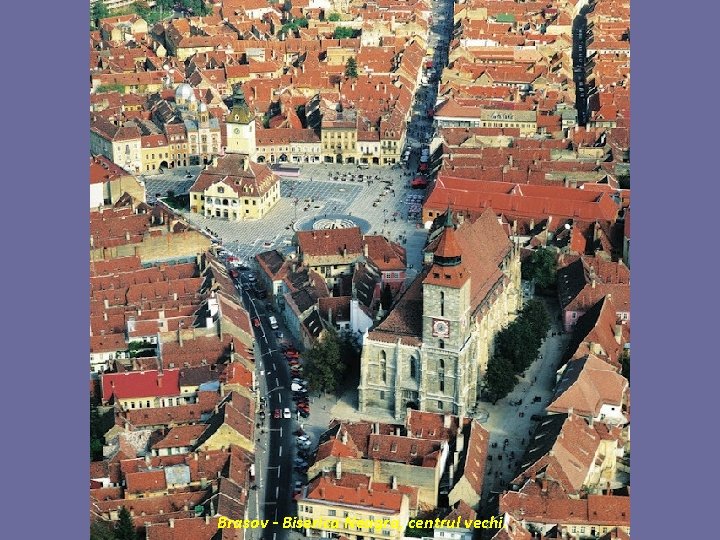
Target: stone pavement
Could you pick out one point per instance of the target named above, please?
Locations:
(504, 421)
(383, 202)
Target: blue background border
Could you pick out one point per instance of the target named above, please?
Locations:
(45, 269)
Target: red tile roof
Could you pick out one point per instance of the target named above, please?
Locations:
(145, 481)
(134, 384)
(323, 490)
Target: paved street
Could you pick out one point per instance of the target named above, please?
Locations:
(177, 180)
(504, 421)
(373, 201)
(275, 443)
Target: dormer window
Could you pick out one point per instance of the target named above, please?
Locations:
(221, 190)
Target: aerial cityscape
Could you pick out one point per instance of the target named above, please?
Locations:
(359, 269)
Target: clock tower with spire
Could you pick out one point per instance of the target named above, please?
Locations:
(240, 125)
(446, 331)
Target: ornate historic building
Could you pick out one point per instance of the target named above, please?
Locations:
(432, 349)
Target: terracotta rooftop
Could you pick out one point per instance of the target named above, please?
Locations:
(134, 384)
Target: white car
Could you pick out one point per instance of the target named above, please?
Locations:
(286, 413)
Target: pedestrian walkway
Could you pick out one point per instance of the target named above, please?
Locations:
(510, 420)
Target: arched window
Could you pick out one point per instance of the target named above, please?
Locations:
(441, 343)
(413, 367)
(442, 304)
(383, 366)
(441, 380)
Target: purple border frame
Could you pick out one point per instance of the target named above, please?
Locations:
(46, 448)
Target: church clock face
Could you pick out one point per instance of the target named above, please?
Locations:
(236, 131)
(440, 328)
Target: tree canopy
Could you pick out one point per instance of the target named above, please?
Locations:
(343, 32)
(334, 16)
(324, 365)
(499, 378)
(125, 530)
(542, 267)
(351, 68)
(99, 11)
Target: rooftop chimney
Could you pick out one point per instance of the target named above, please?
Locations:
(446, 421)
(171, 523)
(344, 437)
(618, 333)
(338, 470)
(365, 250)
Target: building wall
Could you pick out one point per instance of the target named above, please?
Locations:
(339, 141)
(464, 353)
(229, 205)
(424, 478)
(153, 158)
(224, 437)
(97, 195)
(241, 139)
(169, 246)
(115, 188)
(328, 510)
(462, 491)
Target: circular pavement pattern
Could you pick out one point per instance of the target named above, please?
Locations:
(332, 221)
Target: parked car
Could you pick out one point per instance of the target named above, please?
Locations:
(277, 413)
(419, 182)
(286, 413)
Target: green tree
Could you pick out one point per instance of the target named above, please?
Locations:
(518, 344)
(386, 297)
(537, 317)
(625, 364)
(101, 530)
(542, 267)
(99, 10)
(499, 378)
(96, 433)
(324, 365)
(343, 32)
(334, 17)
(125, 530)
(351, 68)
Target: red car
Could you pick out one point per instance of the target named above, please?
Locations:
(256, 322)
(423, 167)
(277, 413)
(292, 354)
(419, 183)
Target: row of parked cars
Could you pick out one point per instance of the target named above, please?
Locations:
(298, 384)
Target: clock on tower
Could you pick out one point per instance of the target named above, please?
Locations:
(440, 328)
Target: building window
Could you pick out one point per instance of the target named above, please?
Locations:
(441, 343)
(440, 405)
(331, 513)
(382, 394)
(413, 367)
(442, 304)
(220, 189)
